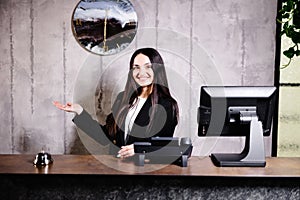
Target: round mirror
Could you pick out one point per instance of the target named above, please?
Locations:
(104, 27)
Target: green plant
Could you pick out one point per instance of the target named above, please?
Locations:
(289, 17)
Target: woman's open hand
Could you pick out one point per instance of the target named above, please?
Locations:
(126, 151)
(69, 107)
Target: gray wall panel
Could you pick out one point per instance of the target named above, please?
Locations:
(203, 42)
(6, 69)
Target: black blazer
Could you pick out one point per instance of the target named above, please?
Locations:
(164, 124)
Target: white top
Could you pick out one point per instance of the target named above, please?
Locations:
(132, 114)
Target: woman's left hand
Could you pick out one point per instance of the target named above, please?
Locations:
(126, 151)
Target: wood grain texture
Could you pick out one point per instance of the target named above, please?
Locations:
(197, 166)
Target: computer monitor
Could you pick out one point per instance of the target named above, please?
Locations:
(237, 111)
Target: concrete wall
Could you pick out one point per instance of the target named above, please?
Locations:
(203, 42)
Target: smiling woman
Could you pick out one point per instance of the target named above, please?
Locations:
(143, 110)
(142, 70)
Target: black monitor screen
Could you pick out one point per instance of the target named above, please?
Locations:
(224, 110)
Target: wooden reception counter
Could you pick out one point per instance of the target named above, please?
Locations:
(109, 165)
(107, 177)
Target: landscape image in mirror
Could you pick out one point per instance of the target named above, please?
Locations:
(104, 27)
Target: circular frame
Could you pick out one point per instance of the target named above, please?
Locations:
(104, 27)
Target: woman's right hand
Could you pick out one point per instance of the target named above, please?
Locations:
(69, 107)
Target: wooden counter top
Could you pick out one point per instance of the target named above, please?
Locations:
(109, 165)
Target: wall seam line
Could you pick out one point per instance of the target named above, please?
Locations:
(31, 58)
(12, 86)
(156, 24)
(64, 85)
(243, 48)
(191, 59)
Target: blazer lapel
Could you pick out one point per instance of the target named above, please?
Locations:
(141, 121)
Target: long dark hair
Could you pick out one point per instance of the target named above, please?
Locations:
(132, 90)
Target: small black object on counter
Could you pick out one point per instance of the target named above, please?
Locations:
(42, 159)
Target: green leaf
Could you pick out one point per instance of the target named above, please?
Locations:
(289, 53)
(289, 17)
(284, 9)
(285, 26)
(290, 5)
(296, 37)
(290, 31)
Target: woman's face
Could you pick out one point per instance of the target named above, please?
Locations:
(142, 70)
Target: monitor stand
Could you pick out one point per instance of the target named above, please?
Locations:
(253, 154)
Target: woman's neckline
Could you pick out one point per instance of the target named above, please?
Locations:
(142, 98)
